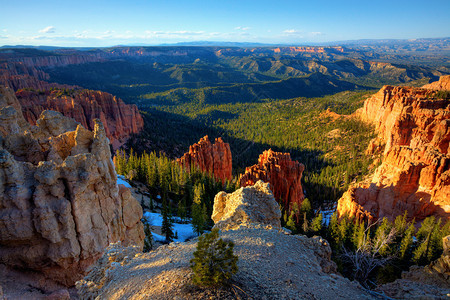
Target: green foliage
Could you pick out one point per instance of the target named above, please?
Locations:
(387, 247)
(148, 240)
(214, 262)
(317, 225)
(167, 223)
(199, 213)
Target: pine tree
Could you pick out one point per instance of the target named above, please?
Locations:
(167, 223)
(148, 240)
(199, 214)
(406, 242)
(316, 224)
(358, 234)
(214, 262)
(290, 224)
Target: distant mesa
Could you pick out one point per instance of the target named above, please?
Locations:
(60, 204)
(413, 127)
(214, 159)
(283, 174)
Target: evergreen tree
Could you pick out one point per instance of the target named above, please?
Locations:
(148, 240)
(167, 223)
(214, 262)
(406, 242)
(316, 224)
(199, 214)
(290, 224)
(358, 234)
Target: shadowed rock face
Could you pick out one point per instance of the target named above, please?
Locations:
(211, 158)
(120, 120)
(283, 174)
(60, 205)
(413, 126)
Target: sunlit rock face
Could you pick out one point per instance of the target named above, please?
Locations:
(413, 127)
(283, 174)
(60, 205)
(214, 159)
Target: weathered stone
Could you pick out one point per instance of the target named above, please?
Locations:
(248, 206)
(211, 158)
(283, 174)
(413, 126)
(60, 205)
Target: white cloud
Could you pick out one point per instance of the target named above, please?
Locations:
(316, 33)
(48, 29)
(290, 31)
(242, 28)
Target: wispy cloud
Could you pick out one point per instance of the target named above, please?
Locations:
(290, 31)
(48, 29)
(242, 28)
(316, 33)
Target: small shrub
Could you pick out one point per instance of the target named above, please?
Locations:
(214, 262)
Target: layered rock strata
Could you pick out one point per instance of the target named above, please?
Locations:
(120, 120)
(413, 134)
(246, 207)
(283, 174)
(211, 158)
(60, 205)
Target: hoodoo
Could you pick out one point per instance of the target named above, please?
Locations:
(283, 174)
(212, 158)
(60, 204)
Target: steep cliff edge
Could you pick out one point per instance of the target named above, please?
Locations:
(271, 265)
(120, 120)
(413, 127)
(283, 174)
(211, 158)
(60, 205)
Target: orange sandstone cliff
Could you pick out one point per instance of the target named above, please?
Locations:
(283, 174)
(212, 158)
(413, 127)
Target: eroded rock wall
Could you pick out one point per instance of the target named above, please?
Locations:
(413, 127)
(60, 205)
(283, 174)
(211, 158)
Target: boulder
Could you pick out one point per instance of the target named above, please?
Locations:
(248, 206)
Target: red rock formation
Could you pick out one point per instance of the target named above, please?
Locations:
(212, 158)
(413, 126)
(60, 204)
(283, 174)
(84, 106)
(442, 85)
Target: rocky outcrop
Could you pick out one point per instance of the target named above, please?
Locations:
(120, 120)
(211, 158)
(271, 265)
(413, 134)
(442, 85)
(429, 282)
(248, 206)
(283, 174)
(60, 205)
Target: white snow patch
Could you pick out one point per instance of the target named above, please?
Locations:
(121, 180)
(184, 231)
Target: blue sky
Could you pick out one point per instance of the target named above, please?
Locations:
(107, 23)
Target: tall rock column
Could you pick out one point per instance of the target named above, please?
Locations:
(283, 174)
(60, 205)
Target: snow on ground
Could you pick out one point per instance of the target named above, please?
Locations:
(184, 231)
(121, 180)
(327, 214)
